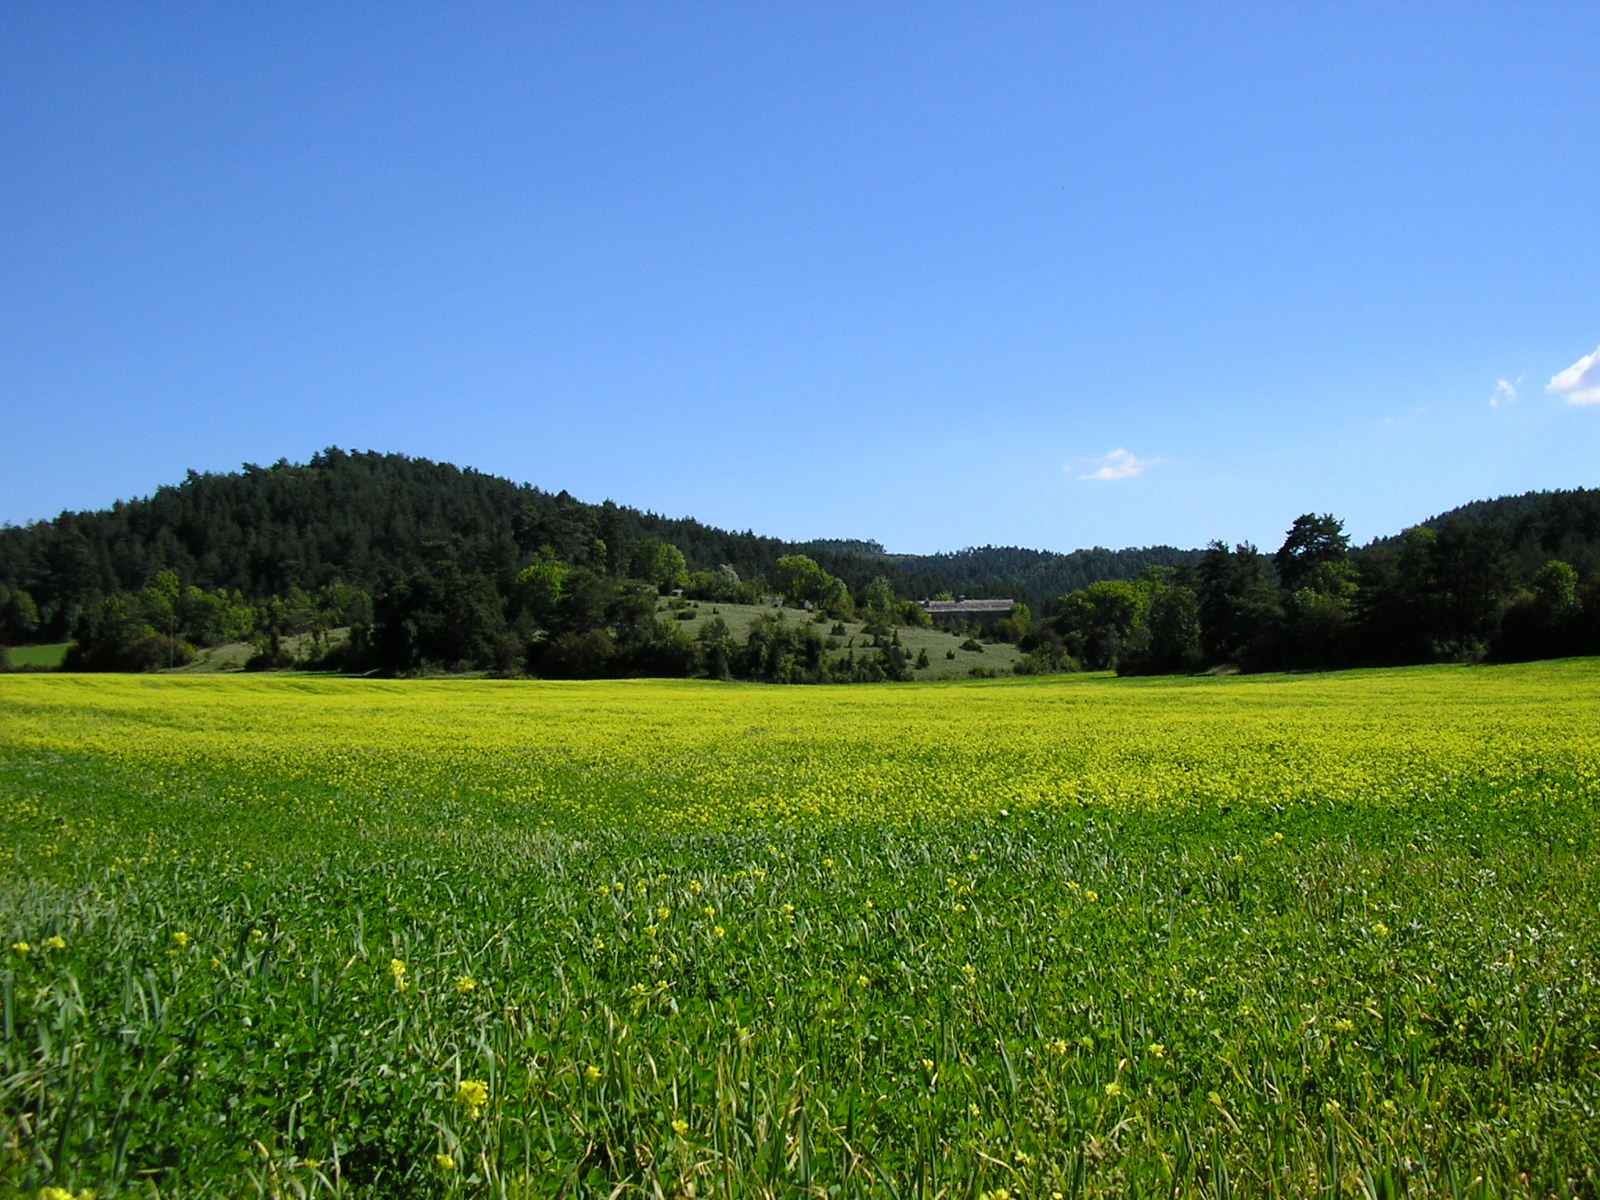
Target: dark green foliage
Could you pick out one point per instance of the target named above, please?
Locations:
(1037, 578)
(1167, 640)
(1099, 620)
(19, 616)
(776, 652)
(716, 649)
(443, 620)
(286, 554)
(1312, 546)
(1547, 620)
(120, 636)
(1240, 605)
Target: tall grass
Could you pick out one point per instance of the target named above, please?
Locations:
(1311, 936)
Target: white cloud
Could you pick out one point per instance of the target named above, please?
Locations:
(1579, 383)
(1505, 392)
(1119, 464)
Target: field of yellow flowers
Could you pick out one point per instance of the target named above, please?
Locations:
(1077, 936)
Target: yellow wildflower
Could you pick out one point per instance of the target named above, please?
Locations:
(466, 984)
(472, 1095)
(592, 1073)
(444, 1162)
(55, 943)
(1113, 1088)
(680, 1127)
(23, 948)
(180, 939)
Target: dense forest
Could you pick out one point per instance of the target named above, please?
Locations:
(435, 567)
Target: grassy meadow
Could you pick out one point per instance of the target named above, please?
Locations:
(47, 657)
(1293, 935)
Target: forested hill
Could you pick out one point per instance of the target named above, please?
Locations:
(367, 519)
(432, 565)
(1527, 531)
(1037, 577)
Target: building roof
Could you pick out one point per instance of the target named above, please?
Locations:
(943, 608)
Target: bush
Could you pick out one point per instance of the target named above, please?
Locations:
(267, 659)
(129, 647)
(1045, 660)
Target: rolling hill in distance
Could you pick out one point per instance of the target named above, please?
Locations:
(392, 544)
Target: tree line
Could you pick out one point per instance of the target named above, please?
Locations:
(434, 567)
(1479, 584)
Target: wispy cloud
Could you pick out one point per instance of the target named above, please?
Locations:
(1579, 383)
(1505, 392)
(1119, 464)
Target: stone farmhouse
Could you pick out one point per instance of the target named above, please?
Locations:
(984, 613)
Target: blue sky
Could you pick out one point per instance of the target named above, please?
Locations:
(1053, 275)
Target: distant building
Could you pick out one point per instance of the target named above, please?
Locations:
(984, 613)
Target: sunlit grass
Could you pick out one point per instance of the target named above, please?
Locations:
(1309, 935)
(39, 658)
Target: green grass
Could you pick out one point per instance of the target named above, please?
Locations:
(39, 658)
(1301, 936)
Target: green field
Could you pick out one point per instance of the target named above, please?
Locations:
(1313, 936)
(39, 658)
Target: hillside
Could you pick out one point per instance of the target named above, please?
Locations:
(367, 519)
(434, 567)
